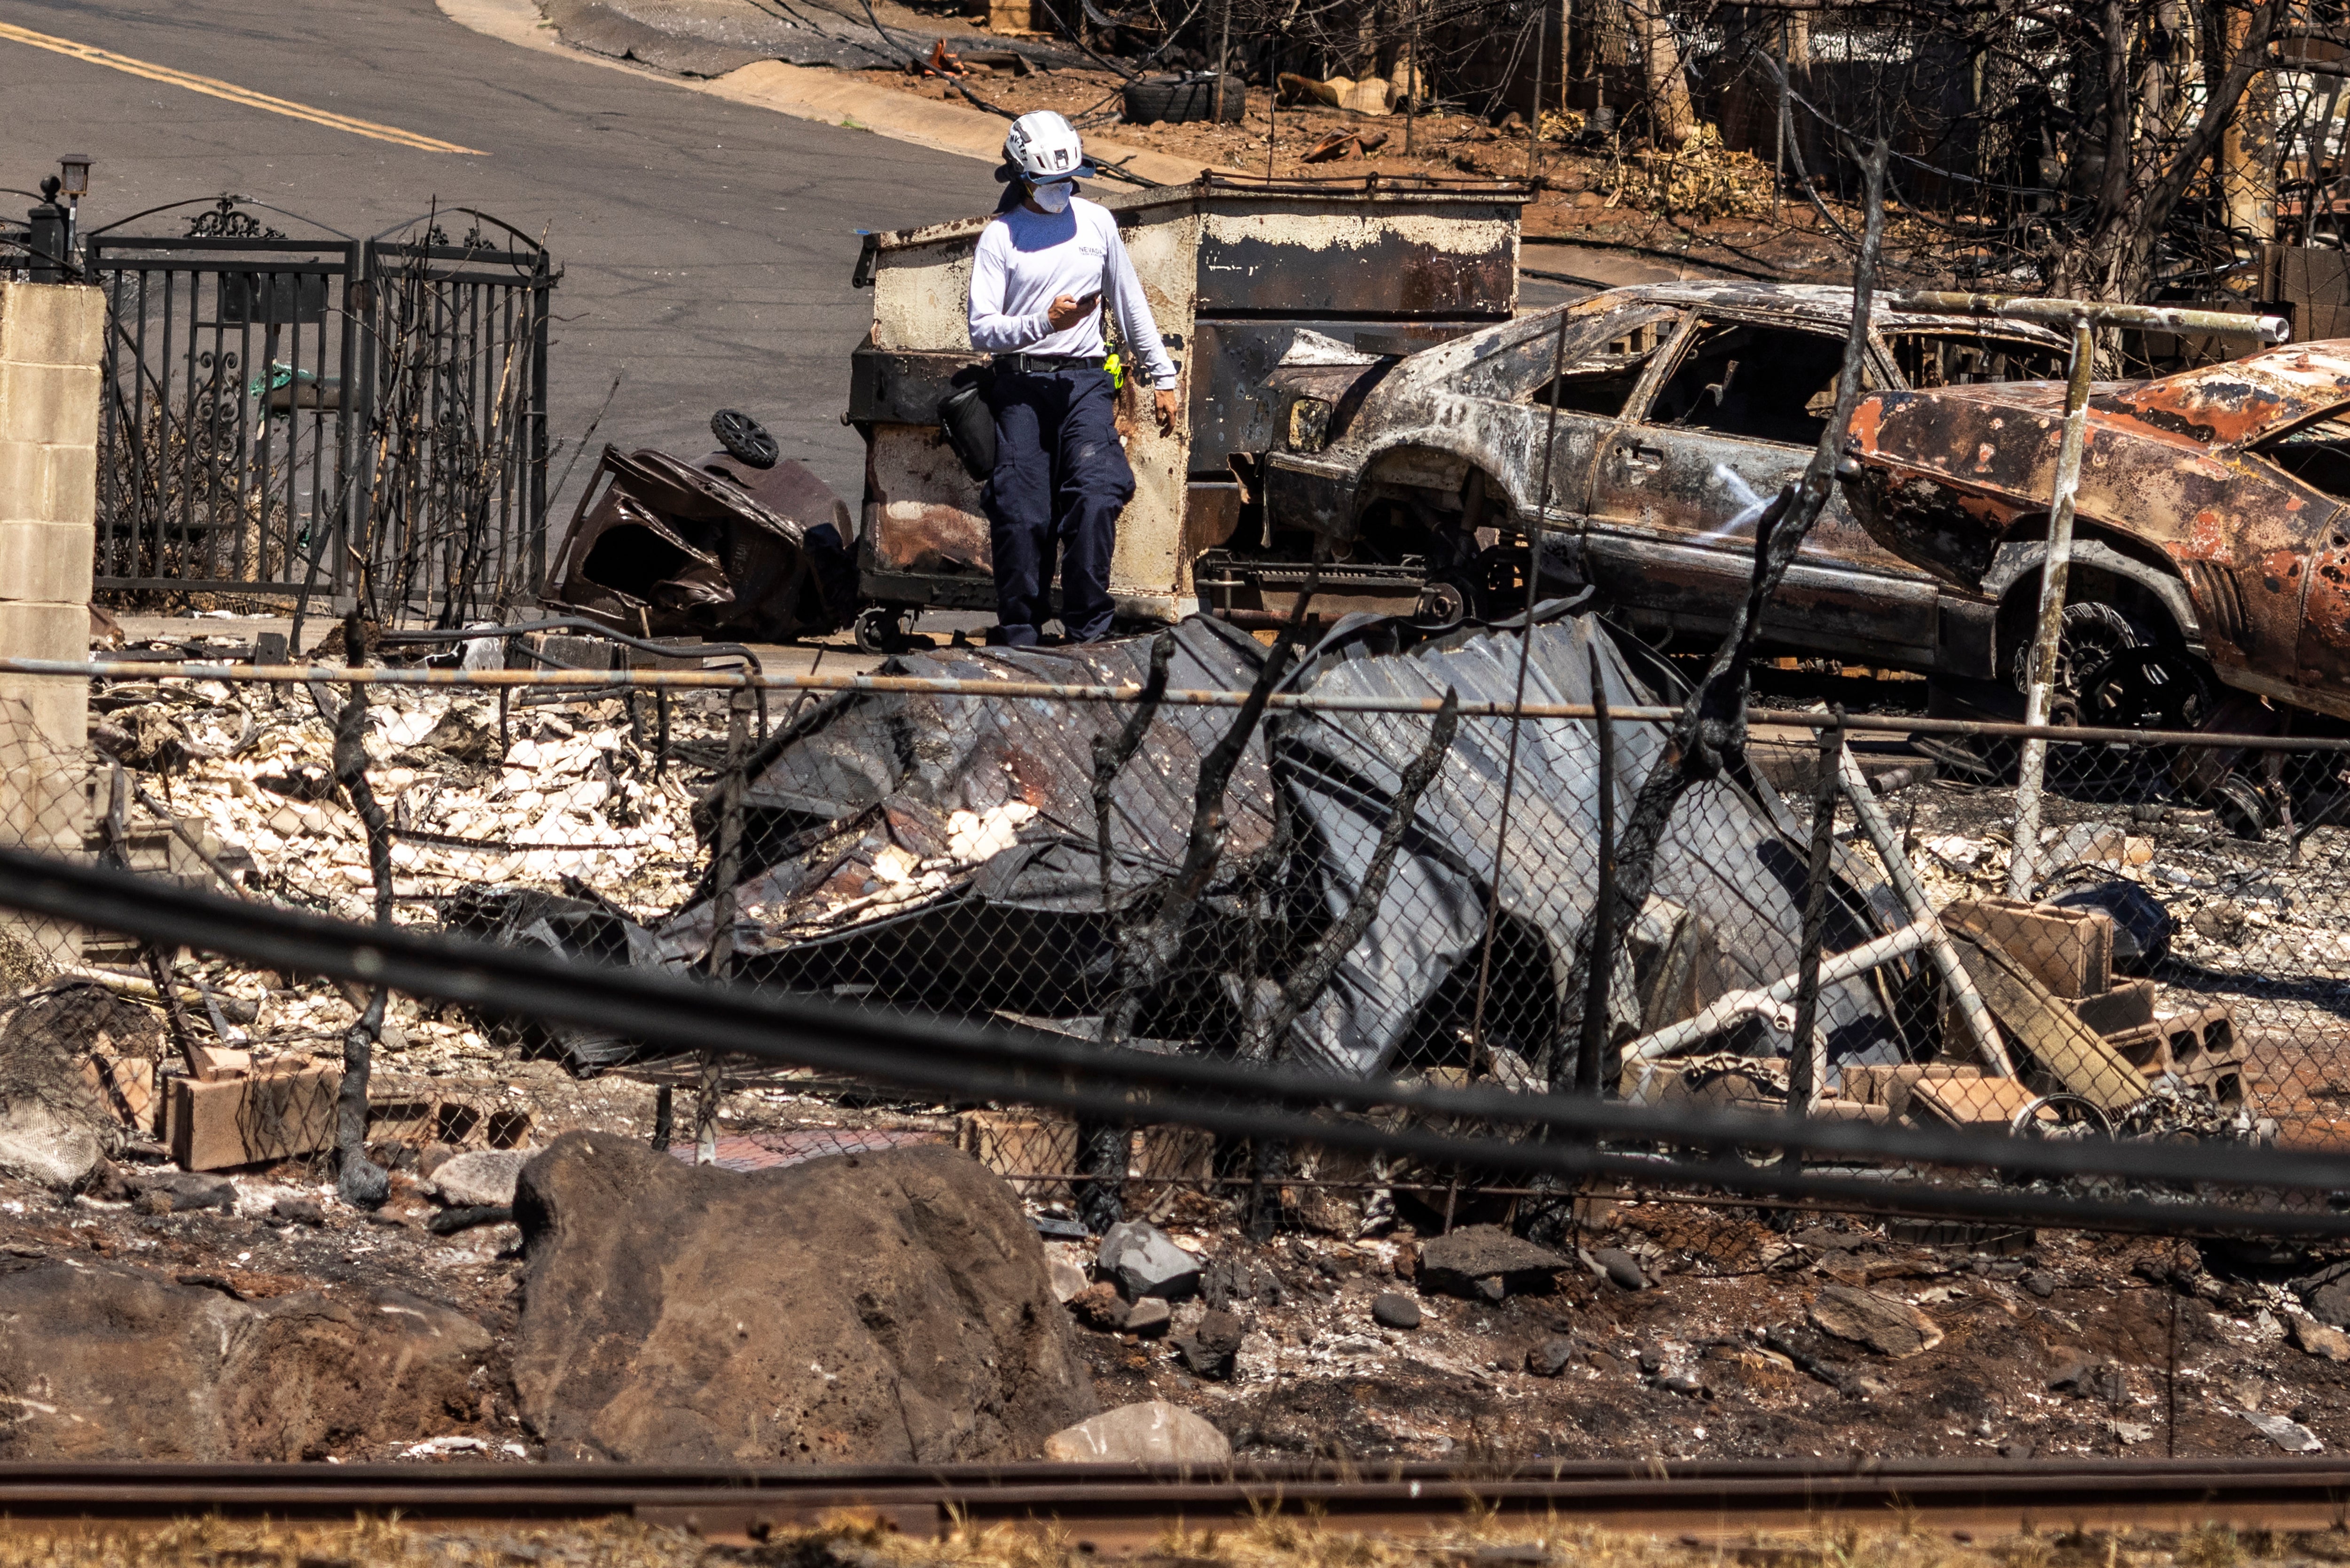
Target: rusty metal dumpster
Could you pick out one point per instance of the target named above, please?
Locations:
(1234, 270)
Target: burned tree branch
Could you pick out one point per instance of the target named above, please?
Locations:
(1144, 959)
(360, 1181)
(1111, 756)
(1305, 983)
(1712, 724)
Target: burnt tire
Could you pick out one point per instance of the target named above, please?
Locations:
(2115, 671)
(1178, 101)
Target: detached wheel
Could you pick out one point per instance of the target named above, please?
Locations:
(746, 441)
(2114, 673)
(883, 629)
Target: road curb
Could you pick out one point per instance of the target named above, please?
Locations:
(808, 92)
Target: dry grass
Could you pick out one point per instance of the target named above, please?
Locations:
(1271, 1542)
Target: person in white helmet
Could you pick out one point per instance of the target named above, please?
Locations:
(1044, 270)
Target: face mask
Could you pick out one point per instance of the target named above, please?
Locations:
(1053, 198)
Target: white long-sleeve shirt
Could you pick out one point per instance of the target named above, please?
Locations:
(1026, 259)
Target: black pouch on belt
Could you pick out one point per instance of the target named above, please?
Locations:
(969, 424)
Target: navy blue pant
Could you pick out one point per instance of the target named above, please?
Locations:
(1061, 479)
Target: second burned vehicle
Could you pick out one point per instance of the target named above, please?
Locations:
(1680, 407)
(2212, 540)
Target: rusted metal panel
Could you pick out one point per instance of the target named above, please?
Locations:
(921, 509)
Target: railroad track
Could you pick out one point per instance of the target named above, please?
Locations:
(1121, 1507)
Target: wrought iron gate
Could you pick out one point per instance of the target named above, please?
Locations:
(357, 420)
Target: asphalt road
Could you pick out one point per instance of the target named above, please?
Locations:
(706, 245)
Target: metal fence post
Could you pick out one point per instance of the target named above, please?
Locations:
(2050, 634)
(725, 869)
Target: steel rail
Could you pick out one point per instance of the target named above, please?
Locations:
(609, 681)
(1124, 1505)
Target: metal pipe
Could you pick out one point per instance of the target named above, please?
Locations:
(1807, 1057)
(2049, 638)
(1733, 1006)
(663, 682)
(1965, 1000)
(2093, 313)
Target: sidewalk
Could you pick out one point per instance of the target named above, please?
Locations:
(810, 92)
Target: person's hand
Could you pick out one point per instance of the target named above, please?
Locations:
(1067, 310)
(1163, 402)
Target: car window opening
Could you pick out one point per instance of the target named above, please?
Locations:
(1927, 360)
(2317, 453)
(1603, 382)
(1765, 383)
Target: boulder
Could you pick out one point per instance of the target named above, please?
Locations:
(1889, 1327)
(1151, 1433)
(1145, 1262)
(890, 1307)
(40, 1144)
(481, 1177)
(1621, 1267)
(107, 1362)
(1150, 1316)
(1458, 1263)
(1551, 1356)
(1393, 1309)
(1208, 1349)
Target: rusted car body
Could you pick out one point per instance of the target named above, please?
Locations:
(2214, 508)
(1680, 409)
(1234, 270)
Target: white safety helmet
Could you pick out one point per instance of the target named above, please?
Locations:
(1045, 148)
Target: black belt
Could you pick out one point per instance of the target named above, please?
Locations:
(1048, 363)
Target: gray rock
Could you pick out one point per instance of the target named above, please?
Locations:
(879, 1308)
(1145, 1262)
(1621, 1267)
(39, 1145)
(2329, 1303)
(2041, 1284)
(297, 1211)
(1151, 1433)
(1220, 1331)
(1395, 1310)
(1889, 1327)
(1230, 1282)
(1457, 1264)
(481, 1177)
(2291, 1436)
(177, 1192)
(1150, 1316)
(1551, 1356)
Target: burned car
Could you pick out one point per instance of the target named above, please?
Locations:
(1682, 407)
(2212, 537)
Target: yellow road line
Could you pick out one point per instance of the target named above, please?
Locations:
(233, 93)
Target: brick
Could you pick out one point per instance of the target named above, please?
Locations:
(2070, 951)
(53, 404)
(275, 1114)
(127, 1087)
(1892, 1086)
(1972, 1102)
(51, 324)
(2129, 1005)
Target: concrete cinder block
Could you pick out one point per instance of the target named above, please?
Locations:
(51, 324)
(276, 1114)
(45, 718)
(44, 629)
(47, 563)
(43, 482)
(53, 404)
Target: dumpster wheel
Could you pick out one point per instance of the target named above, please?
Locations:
(884, 629)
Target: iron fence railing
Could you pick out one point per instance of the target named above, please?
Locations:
(358, 420)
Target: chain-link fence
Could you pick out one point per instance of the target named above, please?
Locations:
(1388, 879)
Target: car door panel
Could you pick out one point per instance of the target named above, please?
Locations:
(1677, 491)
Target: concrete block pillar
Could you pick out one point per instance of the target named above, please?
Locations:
(50, 339)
